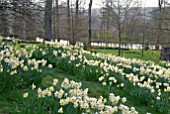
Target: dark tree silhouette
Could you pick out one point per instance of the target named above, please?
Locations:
(90, 23)
(48, 21)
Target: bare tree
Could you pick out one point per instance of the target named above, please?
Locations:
(48, 19)
(122, 13)
(90, 29)
(119, 26)
(4, 28)
(76, 21)
(69, 35)
(159, 30)
(57, 21)
(11, 9)
(143, 36)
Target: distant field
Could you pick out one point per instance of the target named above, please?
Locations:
(149, 55)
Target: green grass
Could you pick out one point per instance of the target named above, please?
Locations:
(96, 89)
(11, 102)
(149, 55)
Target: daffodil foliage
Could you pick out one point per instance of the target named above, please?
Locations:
(24, 65)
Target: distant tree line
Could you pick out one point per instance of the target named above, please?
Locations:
(119, 21)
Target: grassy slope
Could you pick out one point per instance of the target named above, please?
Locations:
(151, 55)
(95, 89)
(8, 101)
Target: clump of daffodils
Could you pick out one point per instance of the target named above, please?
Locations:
(71, 93)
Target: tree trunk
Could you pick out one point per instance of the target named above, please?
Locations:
(4, 24)
(100, 34)
(76, 35)
(143, 43)
(57, 22)
(119, 30)
(90, 31)
(48, 21)
(69, 22)
(72, 28)
(159, 31)
(143, 35)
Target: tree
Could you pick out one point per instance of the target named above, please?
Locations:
(76, 22)
(89, 28)
(106, 17)
(10, 9)
(159, 31)
(48, 19)
(121, 16)
(69, 35)
(163, 29)
(57, 21)
(143, 36)
(160, 28)
(4, 27)
(119, 26)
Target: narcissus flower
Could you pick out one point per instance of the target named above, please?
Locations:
(25, 95)
(33, 86)
(60, 110)
(55, 81)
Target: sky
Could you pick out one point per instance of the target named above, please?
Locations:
(146, 3)
(150, 3)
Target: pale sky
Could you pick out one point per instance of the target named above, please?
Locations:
(147, 3)
(150, 3)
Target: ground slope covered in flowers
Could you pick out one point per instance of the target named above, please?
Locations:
(55, 78)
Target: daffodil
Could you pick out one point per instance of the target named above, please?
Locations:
(33, 86)
(25, 95)
(60, 110)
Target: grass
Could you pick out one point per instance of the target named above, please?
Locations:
(96, 89)
(149, 55)
(11, 102)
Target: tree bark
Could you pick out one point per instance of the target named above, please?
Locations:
(72, 28)
(48, 20)
(76, 35)
(143, 35)
(89, 29)
(159, 31)
(57, 22)
(119, 29)
(4, 28)
(69, 22)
